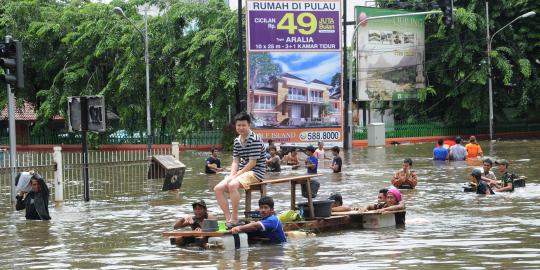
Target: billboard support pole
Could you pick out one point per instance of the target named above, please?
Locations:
(242, 106)
(347, 144)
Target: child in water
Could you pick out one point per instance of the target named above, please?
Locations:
(311, 161)
(336, 162)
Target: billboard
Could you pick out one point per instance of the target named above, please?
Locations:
(390, 59)
(294, 70)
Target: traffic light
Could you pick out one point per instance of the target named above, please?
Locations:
(11, 60)
(447, 7)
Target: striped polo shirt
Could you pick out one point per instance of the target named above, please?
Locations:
(252, 149)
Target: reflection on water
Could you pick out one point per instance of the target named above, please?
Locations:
(446, 228)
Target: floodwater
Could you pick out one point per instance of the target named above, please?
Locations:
(446, 228)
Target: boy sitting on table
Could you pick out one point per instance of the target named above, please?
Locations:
(269, 228)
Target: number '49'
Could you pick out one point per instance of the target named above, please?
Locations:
(288, 23)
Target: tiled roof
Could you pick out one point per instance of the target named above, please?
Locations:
(24, 113)
(291, 76)
(320, 82)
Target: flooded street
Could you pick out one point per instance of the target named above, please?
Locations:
(446, 228)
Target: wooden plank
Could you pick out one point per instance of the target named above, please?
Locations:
(372, 212)
(168, 162)
(191, 234)
(287, 179)
(310, 200)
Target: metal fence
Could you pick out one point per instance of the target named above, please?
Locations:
(439, 129)
(112, 174)
(211, 137)
(42, 163)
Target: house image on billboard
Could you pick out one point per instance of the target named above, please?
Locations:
(289, 101)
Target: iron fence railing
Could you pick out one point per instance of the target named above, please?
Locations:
(112, 174)
(212, 137)
(439, 129)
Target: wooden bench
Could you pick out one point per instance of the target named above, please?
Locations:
(294, 180)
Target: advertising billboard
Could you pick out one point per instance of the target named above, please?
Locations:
(390, 54)
(294, 71)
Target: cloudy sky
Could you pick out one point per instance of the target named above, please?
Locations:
(309, 65)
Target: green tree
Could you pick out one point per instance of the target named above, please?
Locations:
(81, 48)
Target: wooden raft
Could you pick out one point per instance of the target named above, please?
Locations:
(294, 180)
(192, 234)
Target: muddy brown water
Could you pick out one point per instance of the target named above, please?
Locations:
(446, 229)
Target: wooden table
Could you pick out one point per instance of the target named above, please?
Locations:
(294, 180)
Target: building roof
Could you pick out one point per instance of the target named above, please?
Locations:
(26, 112)
(288, 75)
(320, 82)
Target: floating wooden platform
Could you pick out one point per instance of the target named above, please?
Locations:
(338, 221)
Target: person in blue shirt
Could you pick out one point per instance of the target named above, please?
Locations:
(440, 153)
(269, 228)
(311, 161)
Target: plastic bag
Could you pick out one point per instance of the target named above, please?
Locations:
(24, 183)
(289, 216)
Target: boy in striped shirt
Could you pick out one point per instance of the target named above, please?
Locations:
(248, 166)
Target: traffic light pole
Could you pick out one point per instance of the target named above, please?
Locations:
(12, 140)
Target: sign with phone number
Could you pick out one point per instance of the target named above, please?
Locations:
(320, 136)
(294, 25)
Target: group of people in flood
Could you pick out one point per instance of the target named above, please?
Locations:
(484, 181)
(454, 150)
(275, 159)
(251, 161)
(387, 200)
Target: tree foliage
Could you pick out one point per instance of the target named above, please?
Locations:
(78, 47)
(82, 48)
(457, 70)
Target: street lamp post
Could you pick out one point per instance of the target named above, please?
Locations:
(120, 12)
(490, 39)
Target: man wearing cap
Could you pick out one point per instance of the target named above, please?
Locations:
(481, 186)
(337, 203)
(507, 178)
(196, 221)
